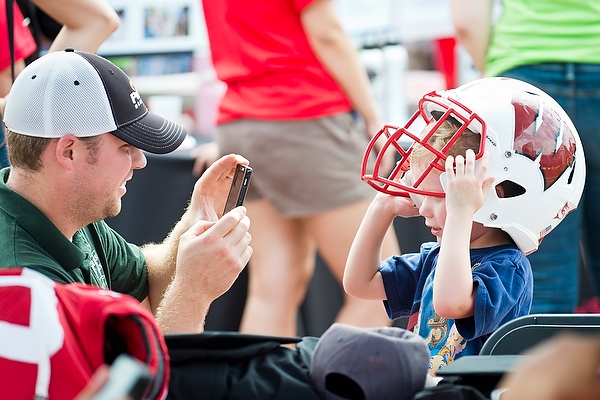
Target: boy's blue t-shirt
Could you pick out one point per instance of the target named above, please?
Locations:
(504, 291)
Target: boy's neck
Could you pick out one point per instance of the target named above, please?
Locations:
(491, 237)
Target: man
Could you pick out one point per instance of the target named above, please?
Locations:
(76, 128)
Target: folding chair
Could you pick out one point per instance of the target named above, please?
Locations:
(524, 332)
(503, 349)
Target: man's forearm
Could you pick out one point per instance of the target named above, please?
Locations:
(161, 260)
(182, 310)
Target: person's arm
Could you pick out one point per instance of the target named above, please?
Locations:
(335, 50)
(466, 191)
(362, 278)
(86, 23)
(472, 21)
(563, 367)
(202, 256)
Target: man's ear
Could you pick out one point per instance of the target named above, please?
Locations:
(64, 151)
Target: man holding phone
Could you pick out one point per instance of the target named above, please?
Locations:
(76, 128)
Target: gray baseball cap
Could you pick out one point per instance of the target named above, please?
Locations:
(83, 94)
(369, 363)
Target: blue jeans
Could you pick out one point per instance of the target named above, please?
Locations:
(3, 153)
(576, 87)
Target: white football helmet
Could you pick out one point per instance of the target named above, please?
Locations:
(532, 143)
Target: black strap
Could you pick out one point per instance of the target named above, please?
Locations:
(11, 35)
(30, 11)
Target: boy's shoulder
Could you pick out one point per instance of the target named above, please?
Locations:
(499, 250)
(500, 254)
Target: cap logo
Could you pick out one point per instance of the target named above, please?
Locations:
(136, 99)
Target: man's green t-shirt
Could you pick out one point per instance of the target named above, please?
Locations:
(97, 255)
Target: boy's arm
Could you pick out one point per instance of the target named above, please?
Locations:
(453, 290)
(361, 276)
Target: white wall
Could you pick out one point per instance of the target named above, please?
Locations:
(133, 36)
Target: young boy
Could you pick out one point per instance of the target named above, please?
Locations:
(496, 168)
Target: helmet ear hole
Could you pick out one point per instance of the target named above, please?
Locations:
(508, 189)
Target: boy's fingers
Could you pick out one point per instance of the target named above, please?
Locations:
(483, 166)
(450, 166)
(460, 165)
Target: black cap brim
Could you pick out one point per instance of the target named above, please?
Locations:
(152, 133)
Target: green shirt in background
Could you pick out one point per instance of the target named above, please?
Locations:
(97, 255)
(537, 31)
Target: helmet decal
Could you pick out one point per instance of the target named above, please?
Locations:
(541, 132)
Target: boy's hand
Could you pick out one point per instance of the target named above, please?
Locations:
(397, 205)
(466, 189)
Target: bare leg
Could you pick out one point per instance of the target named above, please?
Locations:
(334, 232)
(280, 270)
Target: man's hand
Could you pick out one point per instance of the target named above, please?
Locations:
(210, 257)
(211, 189)
(202, 256)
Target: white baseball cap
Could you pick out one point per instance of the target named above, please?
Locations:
(83, 94)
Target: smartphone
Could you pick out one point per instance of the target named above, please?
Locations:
(239, 187)
(128, 379)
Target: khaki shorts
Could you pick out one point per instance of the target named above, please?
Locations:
(302, 167)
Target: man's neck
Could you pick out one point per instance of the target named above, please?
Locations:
(36, 188)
